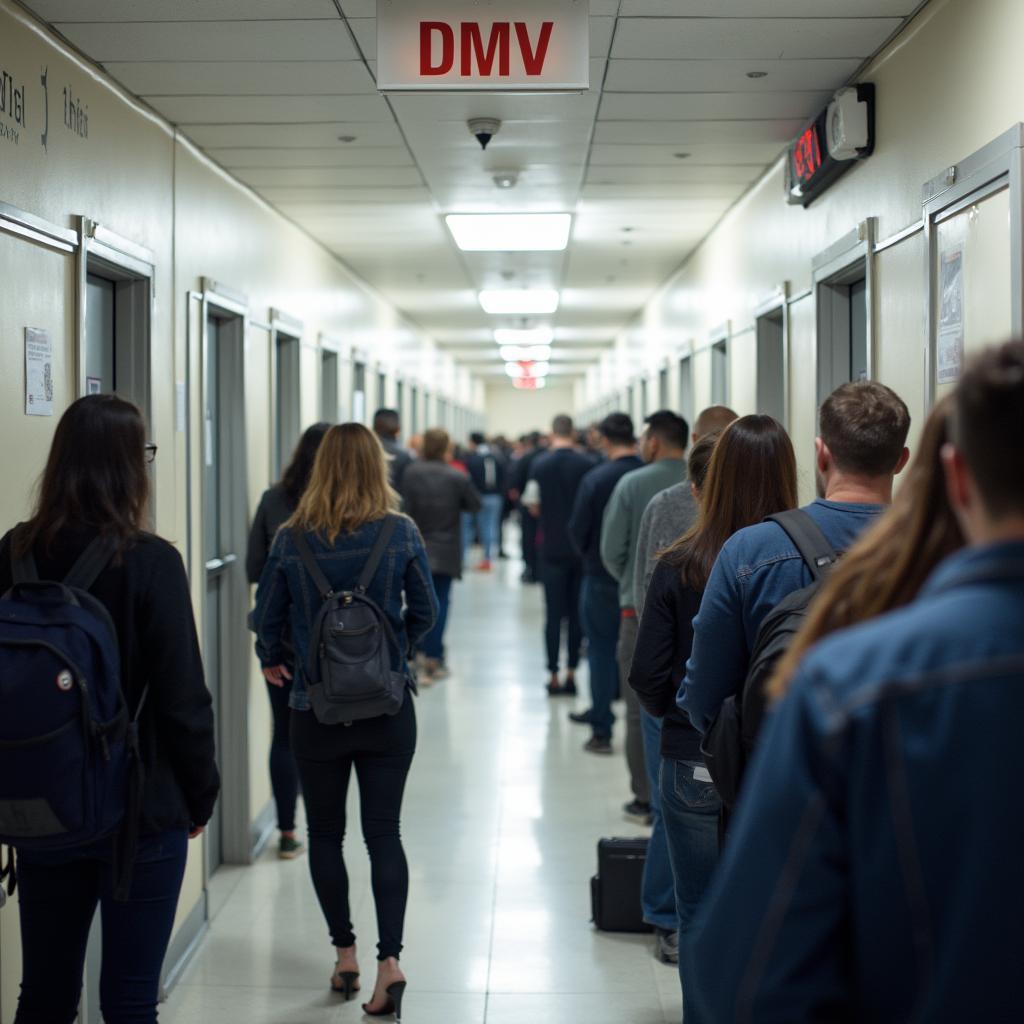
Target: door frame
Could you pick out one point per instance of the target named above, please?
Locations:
(996, 166)
(233, 751)
(777, 303)
(841, 263)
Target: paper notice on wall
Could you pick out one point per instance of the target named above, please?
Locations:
(950, 359)
(359, 406)
(38, 372)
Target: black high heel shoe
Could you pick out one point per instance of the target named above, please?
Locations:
(344, 983)
(394, 993)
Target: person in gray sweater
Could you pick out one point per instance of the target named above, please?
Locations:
(672, 512)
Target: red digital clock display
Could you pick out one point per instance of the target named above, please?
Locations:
(806, 155)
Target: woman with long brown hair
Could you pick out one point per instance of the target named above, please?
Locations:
(891, 561)
(344, 510)
(750, 473)
(276, 506)
(94, 498)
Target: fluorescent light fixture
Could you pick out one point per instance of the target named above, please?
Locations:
(510, 232)
(524, 336)
(519, 301)
(525, 353)
(520, 370)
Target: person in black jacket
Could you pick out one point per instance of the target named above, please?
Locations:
(435, 497)
(747, 474)
(96, 483)
(277, 505)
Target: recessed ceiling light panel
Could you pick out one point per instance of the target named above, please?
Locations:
(525, 353)
(510, 232)
(524, 335)
(519, 301)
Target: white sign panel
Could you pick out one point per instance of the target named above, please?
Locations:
(483, 45)
(38, 372)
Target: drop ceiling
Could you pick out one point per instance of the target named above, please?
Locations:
(671, 133)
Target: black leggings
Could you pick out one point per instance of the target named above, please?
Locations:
(284, 776)
(381, 750)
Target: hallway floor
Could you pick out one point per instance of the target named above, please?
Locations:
(501, 821)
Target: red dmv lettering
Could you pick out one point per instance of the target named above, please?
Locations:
(447, 62)
(498, 45)
(473, 50)
(533, 60)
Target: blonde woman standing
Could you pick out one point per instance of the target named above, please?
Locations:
(343, 511)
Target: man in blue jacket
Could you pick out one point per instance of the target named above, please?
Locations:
(863, 429)
(873, 871)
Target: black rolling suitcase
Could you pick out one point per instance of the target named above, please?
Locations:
(615, 889)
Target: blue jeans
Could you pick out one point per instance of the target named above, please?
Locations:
(658, 896)
(433, 643)
(599, 613)
(690, 808)
(486, 524)
(59, 894)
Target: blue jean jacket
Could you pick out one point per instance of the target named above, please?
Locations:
(287, 594)
(754, 571)
(873, 872)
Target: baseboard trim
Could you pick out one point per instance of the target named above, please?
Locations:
(262, 829)
(184, 944)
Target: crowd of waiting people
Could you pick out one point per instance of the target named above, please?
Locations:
(832, 827)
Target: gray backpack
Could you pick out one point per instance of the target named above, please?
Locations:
(352, 643)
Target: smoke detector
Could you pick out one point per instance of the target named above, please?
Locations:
(505, 179)
(484, 128)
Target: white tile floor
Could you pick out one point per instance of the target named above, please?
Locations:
(501, 821)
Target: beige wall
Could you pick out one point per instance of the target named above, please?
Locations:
(513, 413)
(946, 87)
(134, 177)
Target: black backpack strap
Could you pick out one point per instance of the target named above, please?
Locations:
(387, 531)
(814, 547)
(23, 567)
(323, 584)
(92, 561)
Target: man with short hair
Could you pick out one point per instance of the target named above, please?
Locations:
(672, 512)
(488, 470)
(550, 494)
(860, 449)
(387, 425)
(873, 868)
(663, 448)
(599, 596)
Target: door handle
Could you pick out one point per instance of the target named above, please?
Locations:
(215, 566)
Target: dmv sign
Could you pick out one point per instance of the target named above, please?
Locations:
(483, 45)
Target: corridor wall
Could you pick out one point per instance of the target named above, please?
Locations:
(946, 87)
(127, 170)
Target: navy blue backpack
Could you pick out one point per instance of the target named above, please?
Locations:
(70, 770)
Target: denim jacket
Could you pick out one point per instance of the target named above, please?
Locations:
(754, 571)
(873, 872)
(287, 594)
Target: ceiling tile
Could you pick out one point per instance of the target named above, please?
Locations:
(785, 38)
(761, 153)
(779, 8)
(338, 194)
(244, 78)
(710, 106)
(269, 110)
(345, 177)
(335, 156)
(182, 10)
(286, 136)
(426, 107)
(682, 175)
(657, 133)
(212, 41)
(728, 75)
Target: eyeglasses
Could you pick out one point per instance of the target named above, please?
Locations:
(150, 450)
